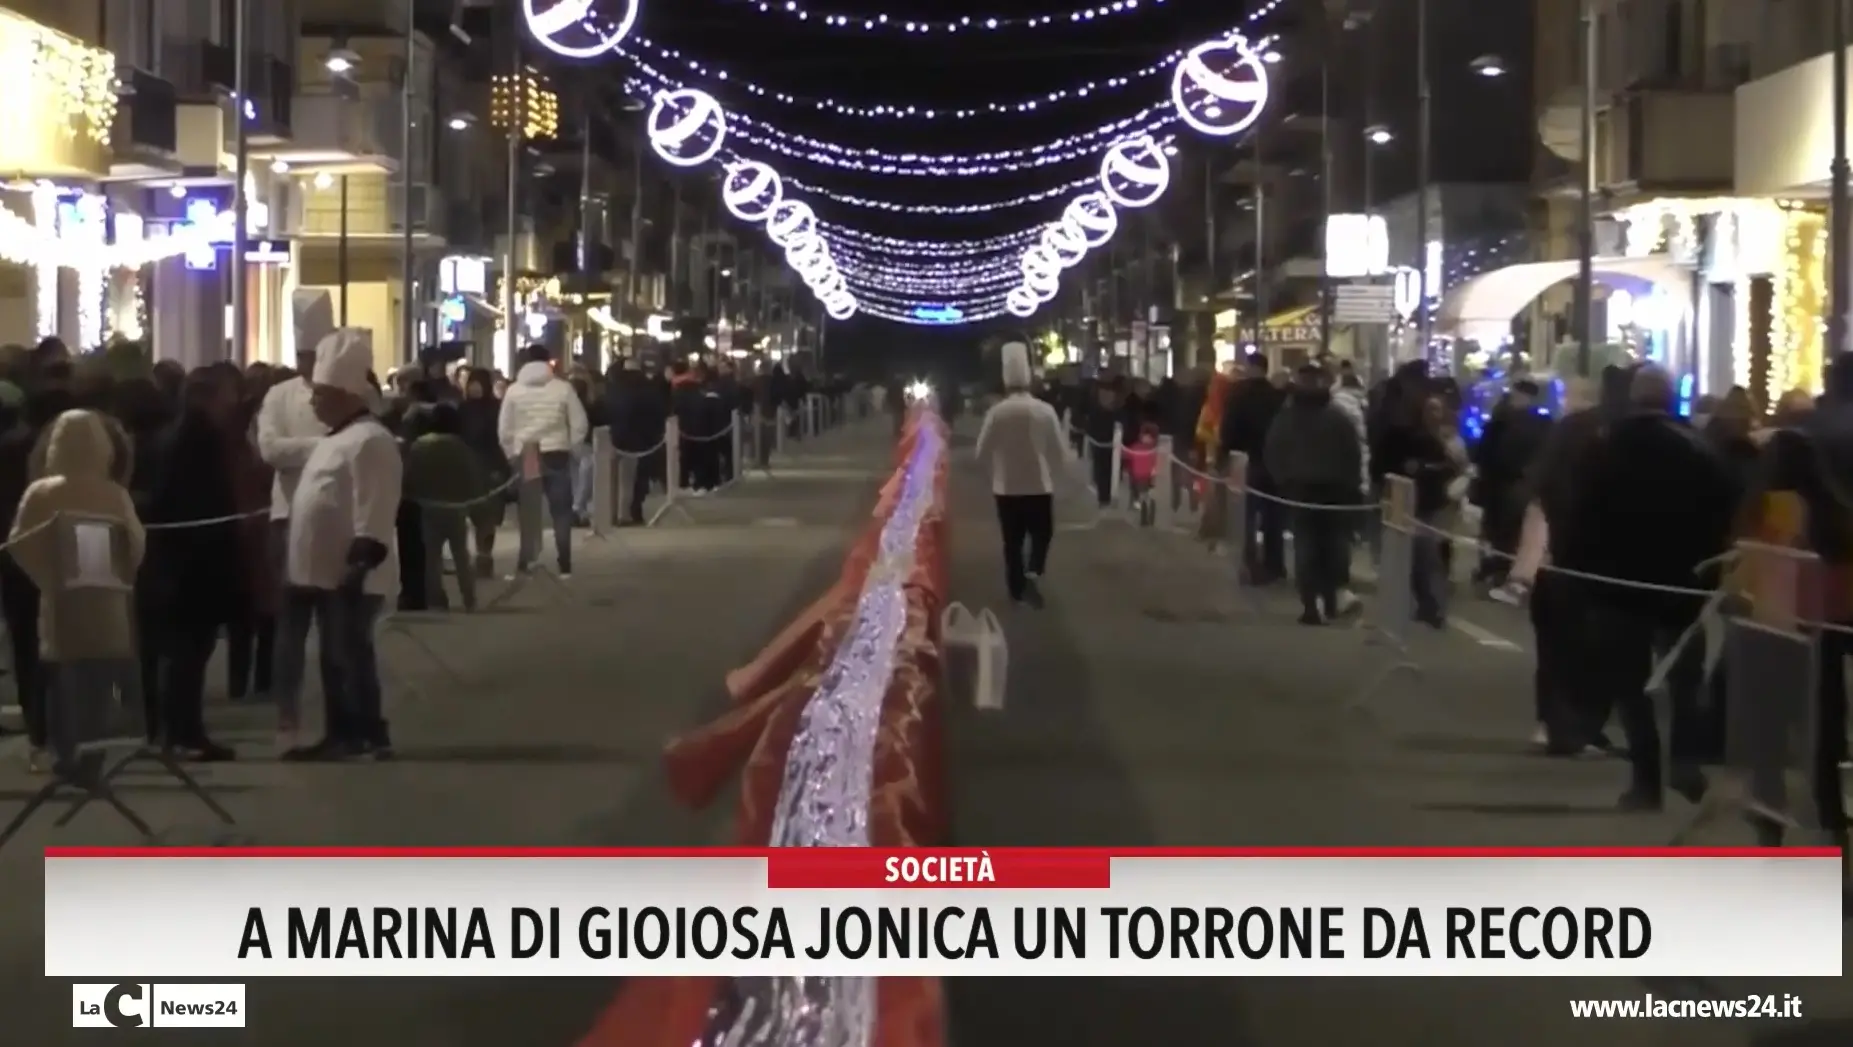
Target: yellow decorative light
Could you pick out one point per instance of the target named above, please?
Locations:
(524, 100)
(1799, 292)
(76, 80)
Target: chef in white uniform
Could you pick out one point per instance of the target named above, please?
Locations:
(340, 562)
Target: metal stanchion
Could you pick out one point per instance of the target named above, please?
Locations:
(1393, 612)
(1771, 667)
(672, 479)
(1116, 477)
(740, 445)
(1163, 494)
(783, 422)
(603, 502)
(1230, 498)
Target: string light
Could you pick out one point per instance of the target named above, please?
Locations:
(868, 203)
(686, 127)
(1010, 242)
(45, 274)
(580, 28)
(1135, 172)
(1152, 119)
(638, 46)
(880, 23)
(1220, 87)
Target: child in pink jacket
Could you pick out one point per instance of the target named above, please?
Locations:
(1142, 463)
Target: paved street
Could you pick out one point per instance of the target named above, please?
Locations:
(536, 725)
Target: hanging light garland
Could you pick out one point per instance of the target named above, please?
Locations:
(896, 207)
(881, 23)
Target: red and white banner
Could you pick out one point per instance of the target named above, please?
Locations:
(238, 915)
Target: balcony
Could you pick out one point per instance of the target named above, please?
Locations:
(146, 134)
(339, 135)
(1660, 141)
(375, 211)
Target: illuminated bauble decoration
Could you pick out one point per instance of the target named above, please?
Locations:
(1066, 245)
(840, 306)
(830, 285)
(805, 249)
(1020, 302)
(687, 127)
(580, 28)
(791, 222)
(1093, 215)
(818, 276)
(1135, 172)
(1220, 87)
(751, 190)
(1043, 286)
(1041, 262)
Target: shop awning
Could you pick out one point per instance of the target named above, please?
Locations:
(1482, 308)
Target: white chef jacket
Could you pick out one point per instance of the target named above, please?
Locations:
(349, 489)
(287, 430)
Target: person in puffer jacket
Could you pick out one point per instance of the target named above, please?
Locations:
(542, 411)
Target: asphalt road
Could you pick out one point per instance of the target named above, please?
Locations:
(536, 725)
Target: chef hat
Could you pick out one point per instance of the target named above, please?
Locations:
(344, 359)
(1016, 366)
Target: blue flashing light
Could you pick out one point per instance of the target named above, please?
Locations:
(1687, 386)
(938, 314)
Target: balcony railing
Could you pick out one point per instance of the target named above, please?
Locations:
(148, 118)
(354, 127)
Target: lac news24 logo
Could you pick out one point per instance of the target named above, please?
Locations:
(144, 1005)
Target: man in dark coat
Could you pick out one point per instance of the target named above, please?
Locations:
(1247, 415)
(638, 416)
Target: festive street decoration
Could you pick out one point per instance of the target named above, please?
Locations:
(751, 190)
(790, 222)
(1221, 87)
(1020, 302)
(1135, 172)
(580, 28)
(687, 127)
(1094, 216)
(901, 24)
(1065, 243)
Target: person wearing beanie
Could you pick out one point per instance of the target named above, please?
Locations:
(1021, 446)
(340, 564)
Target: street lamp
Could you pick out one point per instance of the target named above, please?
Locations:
(1377, 134)
(1490, 66)
(341, 61)
(461, 121)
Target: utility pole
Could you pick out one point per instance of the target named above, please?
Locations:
(518, 106)
(1425, 115)
(408, 262)
(1839, 218)
(1325, 194)
(1583, 312)
(241, 201)
(1261, 229)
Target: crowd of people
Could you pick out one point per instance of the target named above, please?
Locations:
(256, 504)
(1607, 514)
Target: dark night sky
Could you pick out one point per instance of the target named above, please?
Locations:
(813, 60)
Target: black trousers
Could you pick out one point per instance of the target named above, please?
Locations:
(1100, 462)
(19, 604)
(1554, 630)
(1321, 557)
(177, 707)
(250, 649)
(1831, 729)
(1266, 538)
(1617, 652)
(1026, 520)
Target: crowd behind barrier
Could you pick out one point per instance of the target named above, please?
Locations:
(835, 730)
(1763, 630)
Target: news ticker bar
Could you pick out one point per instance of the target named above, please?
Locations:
(1000, 913)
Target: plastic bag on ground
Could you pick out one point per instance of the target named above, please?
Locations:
(977, 657)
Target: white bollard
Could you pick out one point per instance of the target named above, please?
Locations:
(740, 421)
(1117, 483)
(1164, 499)
(672, 460)
(603, 505)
